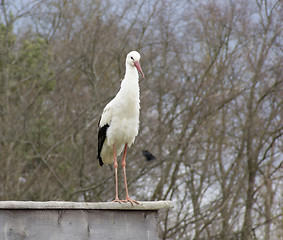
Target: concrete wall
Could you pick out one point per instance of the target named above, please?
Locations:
(79, 221)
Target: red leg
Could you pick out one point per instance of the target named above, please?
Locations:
(128, 199)
(116, 175)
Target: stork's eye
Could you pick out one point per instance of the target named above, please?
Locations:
(132, 58)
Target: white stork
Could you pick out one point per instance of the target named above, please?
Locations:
(119, 122)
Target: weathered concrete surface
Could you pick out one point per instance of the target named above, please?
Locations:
(148, 205)
(79, 221)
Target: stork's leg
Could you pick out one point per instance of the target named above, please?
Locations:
(128, 199)
(116, 175)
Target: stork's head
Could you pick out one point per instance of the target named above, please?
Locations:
(133, 59)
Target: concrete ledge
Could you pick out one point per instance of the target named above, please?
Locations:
(80, 220)
(146, 205)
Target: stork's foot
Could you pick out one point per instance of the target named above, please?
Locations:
(118, 200)
(132, 201)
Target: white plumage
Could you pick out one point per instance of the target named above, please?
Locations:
(119, 123)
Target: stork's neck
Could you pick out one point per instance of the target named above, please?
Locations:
(131, 73)
(130, 84)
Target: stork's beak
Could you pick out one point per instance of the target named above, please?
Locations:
(138, 66)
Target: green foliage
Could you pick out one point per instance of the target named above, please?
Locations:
(26, 79)
(31, 67)
(7, 42)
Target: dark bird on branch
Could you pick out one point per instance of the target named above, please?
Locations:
(148, 155)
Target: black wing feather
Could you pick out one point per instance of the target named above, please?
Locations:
(101, 138)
